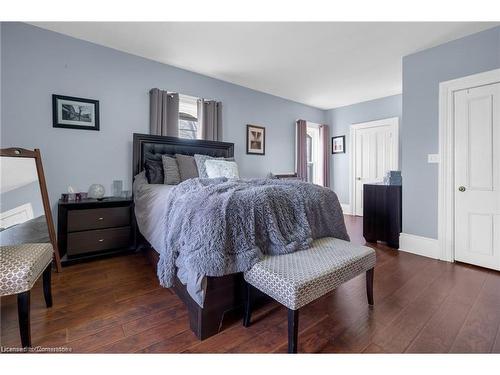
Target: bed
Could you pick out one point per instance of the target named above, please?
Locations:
(222, 294)
(203, 233)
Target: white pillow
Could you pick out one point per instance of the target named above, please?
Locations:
(221, 168)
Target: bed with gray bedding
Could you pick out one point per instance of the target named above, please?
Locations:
(31, 231)
(150, 210)
(214, 227)
(204, 232)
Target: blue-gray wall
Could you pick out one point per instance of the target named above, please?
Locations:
(37, 63)
(340, 120)
(422, 73)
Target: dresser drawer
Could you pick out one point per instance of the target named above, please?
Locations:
(98, 218)
(97, 240)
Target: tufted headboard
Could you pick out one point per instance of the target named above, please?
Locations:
(152, 145)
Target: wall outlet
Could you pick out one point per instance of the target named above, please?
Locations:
(433, 158)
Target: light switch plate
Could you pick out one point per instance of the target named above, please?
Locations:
(433, 158)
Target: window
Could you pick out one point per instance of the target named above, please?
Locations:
(188, 117)
(314, 154)
(310, 163)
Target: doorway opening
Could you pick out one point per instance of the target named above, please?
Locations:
(375, 150)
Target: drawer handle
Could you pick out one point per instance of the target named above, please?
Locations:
(101, 218)
(101, 240)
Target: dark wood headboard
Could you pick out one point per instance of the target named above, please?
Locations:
(153, 146)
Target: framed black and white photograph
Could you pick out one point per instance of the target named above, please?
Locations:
(338, 145)
(75, 113)
(256, 140)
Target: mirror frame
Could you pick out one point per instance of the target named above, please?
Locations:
(18, 152)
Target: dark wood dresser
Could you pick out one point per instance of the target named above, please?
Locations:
(93, 228)
(382, 213)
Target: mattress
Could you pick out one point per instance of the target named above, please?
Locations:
(150, 213)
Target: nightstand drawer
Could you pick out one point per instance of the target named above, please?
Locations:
(97, 240)
(98, 218)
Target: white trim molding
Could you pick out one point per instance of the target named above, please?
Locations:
(346, 208)
(446, 195)
(392, 121)
(17, 215)
(424, 246)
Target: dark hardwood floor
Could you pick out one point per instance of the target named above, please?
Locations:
(421, 306)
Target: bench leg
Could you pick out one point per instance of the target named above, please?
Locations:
(369, 286)
(23, 311)
(293, 330)
(47, 287)
(247, 315)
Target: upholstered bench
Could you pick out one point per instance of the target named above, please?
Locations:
(296, 279)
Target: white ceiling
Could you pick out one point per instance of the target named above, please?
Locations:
(325, 65)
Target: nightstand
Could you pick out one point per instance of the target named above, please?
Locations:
(92, 228)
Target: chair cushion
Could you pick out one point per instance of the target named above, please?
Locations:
(21, 265)
(301, 277)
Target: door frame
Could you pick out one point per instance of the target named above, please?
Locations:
(446, 179)
(392, 121)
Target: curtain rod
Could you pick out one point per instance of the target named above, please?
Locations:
(173, 92)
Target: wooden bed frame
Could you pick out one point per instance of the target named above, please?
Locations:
(223, 294)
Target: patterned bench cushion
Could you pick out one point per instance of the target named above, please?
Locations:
(298, 278)
(21, 265)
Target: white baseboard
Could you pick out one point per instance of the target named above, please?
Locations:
(346, 208)
(427, 247)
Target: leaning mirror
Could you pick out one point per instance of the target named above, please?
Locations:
(28, 243)
(23, 217)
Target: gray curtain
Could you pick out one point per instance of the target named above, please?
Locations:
(301, 152)
(210, 120)
(325, 144)
(163, 113)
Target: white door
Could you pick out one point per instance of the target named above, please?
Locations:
(477, 176)
(375, 153)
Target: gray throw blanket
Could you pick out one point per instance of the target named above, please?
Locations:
(218, 226)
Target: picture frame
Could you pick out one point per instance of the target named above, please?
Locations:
(75, 113)
(338, 144)
(256, 140)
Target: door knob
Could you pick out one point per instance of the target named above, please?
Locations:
(358, 178)
(461, 189)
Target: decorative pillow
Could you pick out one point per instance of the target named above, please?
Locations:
(154, 171)
(140, 178)
(200, 163)
(187, 166)
(140, 181)
(221, 168)
(170, 170)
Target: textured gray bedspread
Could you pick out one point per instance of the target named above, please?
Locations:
(217, 226)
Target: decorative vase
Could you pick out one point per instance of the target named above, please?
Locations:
(96, 191)
(117, 188)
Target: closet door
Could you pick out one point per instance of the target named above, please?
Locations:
(477, 176)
